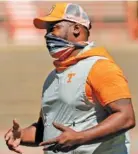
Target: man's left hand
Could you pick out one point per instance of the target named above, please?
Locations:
(68, 140)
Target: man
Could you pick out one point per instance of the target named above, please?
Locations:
(86, 103)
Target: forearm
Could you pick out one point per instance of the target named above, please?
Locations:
(28, 135)
(32, 135)
(115, 123)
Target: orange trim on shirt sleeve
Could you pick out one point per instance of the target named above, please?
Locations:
(107, 81)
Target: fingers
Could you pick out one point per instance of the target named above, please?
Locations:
(10, 131)
(49, 142)
(61, 127)
(49, 148)
(55, 148)
(10, 141)
(17, 150)
(14, 146)
(16, 143)
(11, 138)
(8, 134)
(16, 125)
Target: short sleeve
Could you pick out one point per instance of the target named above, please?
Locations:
(108, 82)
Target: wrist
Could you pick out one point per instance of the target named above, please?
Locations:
(81, 138)
(21, 136)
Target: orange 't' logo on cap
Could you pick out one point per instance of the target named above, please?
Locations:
(70, 75)
(51, 10)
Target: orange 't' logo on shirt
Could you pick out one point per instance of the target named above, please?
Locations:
(70, 75)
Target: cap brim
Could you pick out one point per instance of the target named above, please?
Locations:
(41, 22)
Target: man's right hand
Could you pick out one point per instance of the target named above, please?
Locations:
(13, 137)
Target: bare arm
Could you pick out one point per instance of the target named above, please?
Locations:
(120, 120)
(111, 89)
(32, 135)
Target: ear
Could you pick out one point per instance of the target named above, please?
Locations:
(76, 30)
